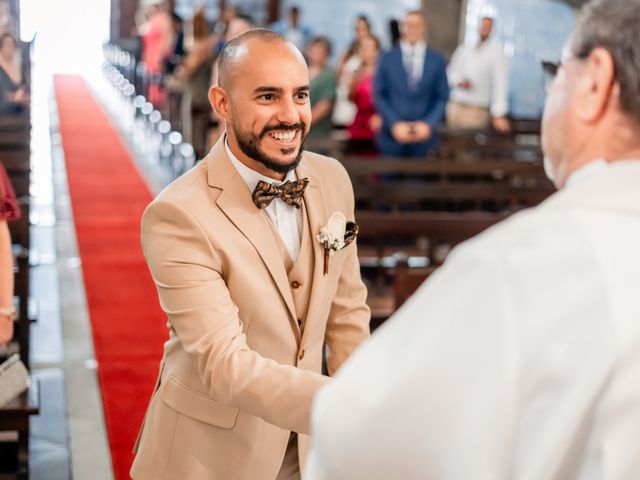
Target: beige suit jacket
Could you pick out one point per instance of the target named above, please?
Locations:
(237, 374)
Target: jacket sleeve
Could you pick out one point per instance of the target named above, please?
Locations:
(349, 316)
(193, 294)
(500, 85)
(381, 92)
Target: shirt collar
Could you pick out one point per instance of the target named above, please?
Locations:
(419, 47)
(586, 171)
(250, 176)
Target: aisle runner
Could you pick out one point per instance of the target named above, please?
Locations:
(108, 198)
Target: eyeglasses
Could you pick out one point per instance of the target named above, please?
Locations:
(550, 70)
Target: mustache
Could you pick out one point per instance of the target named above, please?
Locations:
(283, 127)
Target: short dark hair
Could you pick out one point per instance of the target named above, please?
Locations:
(231, 47)
(613, 25)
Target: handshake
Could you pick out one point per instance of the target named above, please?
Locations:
(411, 132)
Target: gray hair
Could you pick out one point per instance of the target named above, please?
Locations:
(613, 25)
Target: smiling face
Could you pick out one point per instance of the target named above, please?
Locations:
(264, 101)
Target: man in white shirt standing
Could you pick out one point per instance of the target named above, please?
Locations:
(478, 77)
(520, 357)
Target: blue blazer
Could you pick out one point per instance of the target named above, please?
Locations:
(396, 101)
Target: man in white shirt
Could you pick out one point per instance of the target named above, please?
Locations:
(520, 357)
(479, 81)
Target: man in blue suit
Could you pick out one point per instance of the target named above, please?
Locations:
(410, 92)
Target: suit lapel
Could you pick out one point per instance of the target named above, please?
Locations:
(317, 216)
(236, 203)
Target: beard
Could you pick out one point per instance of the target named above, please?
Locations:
(249, 143)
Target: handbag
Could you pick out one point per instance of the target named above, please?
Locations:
(14, 379)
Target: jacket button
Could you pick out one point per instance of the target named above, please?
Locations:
(295, 284)
(301, 355)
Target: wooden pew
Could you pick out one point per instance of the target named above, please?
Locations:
(14, 417)
(523, 142)
(385, 255)
(436, 183)
(15, 139)
(380, 228)
(15, 122)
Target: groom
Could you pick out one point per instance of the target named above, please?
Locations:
(250, 296)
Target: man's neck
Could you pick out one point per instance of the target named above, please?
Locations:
(610, 151)
(415, 44)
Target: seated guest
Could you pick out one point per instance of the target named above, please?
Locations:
(344, 110)
(520, 357)
(14, 92)
(9, 210)
(410, 92)
(478, 77)
(366, 121)
(322, 86)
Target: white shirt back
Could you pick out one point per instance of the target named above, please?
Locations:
(519, 358)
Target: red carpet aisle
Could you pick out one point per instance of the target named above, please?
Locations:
(108, 198)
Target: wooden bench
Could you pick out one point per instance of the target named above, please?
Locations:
(387, 241)
(15, 122)
(523, 143)
(14, 417)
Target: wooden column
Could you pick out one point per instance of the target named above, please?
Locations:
(273, 11)
(444, 19)
(122, 19)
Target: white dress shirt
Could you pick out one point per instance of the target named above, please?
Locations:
(519, 359)
(286, 218)
(485, 66)
(413, 59)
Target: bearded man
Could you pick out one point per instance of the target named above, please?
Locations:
(254, 279)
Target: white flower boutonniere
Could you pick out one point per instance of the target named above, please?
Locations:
(335, 235)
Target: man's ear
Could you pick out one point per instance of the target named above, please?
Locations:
(596, 85)
(219, 101)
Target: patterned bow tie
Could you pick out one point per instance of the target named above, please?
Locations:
(289, 192)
